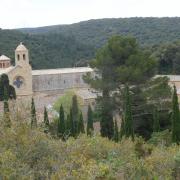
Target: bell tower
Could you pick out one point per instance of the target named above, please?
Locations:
(21, 75)
(21, 55)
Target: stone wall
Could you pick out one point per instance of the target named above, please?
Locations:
(25, 89)
(52, 82)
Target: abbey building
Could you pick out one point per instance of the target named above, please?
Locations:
(27, 81)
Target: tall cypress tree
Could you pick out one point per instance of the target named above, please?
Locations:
(75, 114)
(122, 129)
(156, 123)
(68, 125)
(90, 127)
(33, 115)
(72, 129)
(81, 124)
(61, 122)
(116, 131)
(5, 87)
(7, 120)
(128, 120)
(175, 118)
(5, 95)
(46, 120)
(106, 121)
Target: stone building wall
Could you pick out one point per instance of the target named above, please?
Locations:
(24, 73)
(62, 81)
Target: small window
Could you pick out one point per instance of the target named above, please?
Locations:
(24, 57)
(18, 57)
(64, 81)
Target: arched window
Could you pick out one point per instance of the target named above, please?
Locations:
(24, 57)
(18, 57)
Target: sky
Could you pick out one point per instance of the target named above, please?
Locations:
(35, 13)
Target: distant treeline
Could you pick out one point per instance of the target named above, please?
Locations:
(74, 45)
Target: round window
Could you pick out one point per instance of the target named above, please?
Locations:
(18, 81)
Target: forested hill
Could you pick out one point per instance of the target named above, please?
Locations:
(69, 45)
(46, 51)
(148, 31)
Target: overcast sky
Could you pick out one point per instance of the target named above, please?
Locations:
(34, 13)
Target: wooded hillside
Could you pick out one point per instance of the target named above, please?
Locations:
(73, 45)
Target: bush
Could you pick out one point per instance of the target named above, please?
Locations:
(161, 138)
(66, 101)
(33, 154)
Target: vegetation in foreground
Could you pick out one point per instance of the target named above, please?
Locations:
(61, 150)
(29, 151)
(32, 154)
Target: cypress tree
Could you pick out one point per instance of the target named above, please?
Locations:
(1, 90)
(46, 120)
(33, 115)
(175, 118)
(61, 122)
(128, 120)
(81, 124)
(116, 131)
(5, 95)
(68, 125)
(5, 87)
(7, 119)
(72, 129)
(75, 114)
(156, 123)
(90, 127)
(106, 121)
(122, 130)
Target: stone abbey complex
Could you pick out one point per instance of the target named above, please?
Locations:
(27, 81)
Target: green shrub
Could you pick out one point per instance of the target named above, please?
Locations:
(66, 101)
(27, 153)
(161, 138)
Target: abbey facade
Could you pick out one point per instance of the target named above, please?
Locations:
(27, 81)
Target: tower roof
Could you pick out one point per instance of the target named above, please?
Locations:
(4, 58)
(21, 47)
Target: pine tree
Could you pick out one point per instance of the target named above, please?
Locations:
(175, 118)
(116, 131)
(75, 114)
(61, 122)
(156, 123)
(33, 115)
(128, 120)
(46, 120)
(90, 127)
(81, 124)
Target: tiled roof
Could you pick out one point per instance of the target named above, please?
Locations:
(4, 58)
